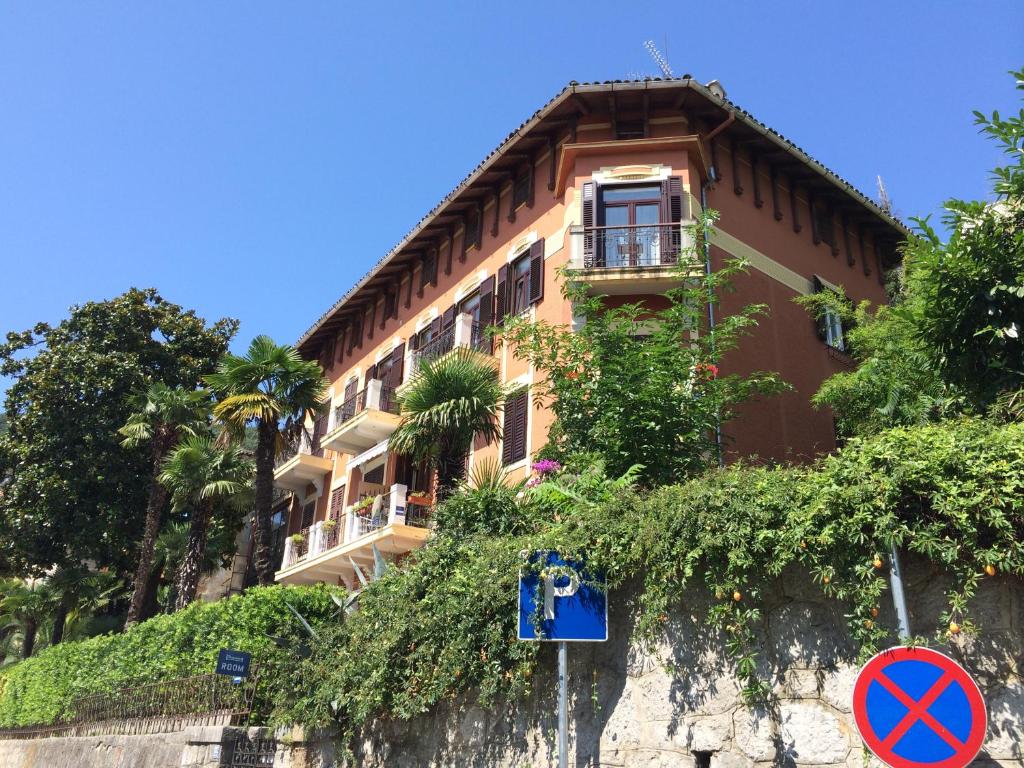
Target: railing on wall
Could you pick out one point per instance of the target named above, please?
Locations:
(640, 245)
(196, 700)
(302, 443)
(373, 512)
(383, 400)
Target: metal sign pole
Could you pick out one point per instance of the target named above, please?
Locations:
(563, 705)
(899, 600)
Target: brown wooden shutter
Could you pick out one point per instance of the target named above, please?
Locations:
(508, 429)
(537, 271)
(487, 312)
(513, 446)
(435, 328)
(589, 222)
(351, 388)
(501, 296)
(335, 510)
(397, 365)
(448, 318)
(521, 424)
(319, 428)
(672, 211)
(371, 373)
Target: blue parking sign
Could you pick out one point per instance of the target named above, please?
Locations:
(560, 601)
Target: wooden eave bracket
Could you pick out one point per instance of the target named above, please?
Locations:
(569, 153)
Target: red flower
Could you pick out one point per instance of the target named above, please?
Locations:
(710, 369)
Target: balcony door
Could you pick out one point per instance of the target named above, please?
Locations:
(631, 233)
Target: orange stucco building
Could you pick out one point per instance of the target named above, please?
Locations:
(604, 178)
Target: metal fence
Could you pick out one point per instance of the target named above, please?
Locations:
(643, 245)
(200, 699)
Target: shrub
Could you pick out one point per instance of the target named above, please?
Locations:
(42, 688)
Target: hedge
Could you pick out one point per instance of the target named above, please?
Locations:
(42, 688)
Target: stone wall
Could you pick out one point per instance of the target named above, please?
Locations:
(170, 746)
(628, 709)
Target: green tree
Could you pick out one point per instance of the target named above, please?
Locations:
(640, 385)
(951, 340)
(204, 477)
(72, 491)
(448, 401)
(894, 383)
(270, 386)
(163, 414)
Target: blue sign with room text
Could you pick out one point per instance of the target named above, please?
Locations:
(234, 663)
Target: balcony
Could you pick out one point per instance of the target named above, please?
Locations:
(302, 463)
(363, 420)
(465, 332)
(395, 522)
(637, 259)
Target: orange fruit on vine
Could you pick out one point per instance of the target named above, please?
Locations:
(874, 612)
(990, 569)
(868, 624)
(826, 579)
(877, 562)
(954, 628)
(737, 596)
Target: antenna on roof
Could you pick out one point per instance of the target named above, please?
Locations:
(652, 49)
(883, 196)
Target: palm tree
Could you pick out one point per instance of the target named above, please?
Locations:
(268, 385)
(200, 474)
(75, 593)
(163, 414)
(448, 401)
(24, 607)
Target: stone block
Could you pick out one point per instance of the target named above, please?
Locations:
(810, 734)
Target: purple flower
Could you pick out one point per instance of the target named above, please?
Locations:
(533, 482)
(546, 466)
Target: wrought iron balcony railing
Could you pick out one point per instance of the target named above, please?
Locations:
(303, 443)
(641, 245)
(359, 402)
(439, 346)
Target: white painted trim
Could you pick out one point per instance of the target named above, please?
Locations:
(606, 175)
(427, 318)
(470, 285)
(521, 246)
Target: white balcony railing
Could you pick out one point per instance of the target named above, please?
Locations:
(387, 509)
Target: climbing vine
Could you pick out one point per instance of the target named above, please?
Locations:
(446, 623)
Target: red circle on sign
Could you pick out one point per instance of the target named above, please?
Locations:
(917, 710)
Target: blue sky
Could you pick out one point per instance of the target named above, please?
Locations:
(253, 159)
